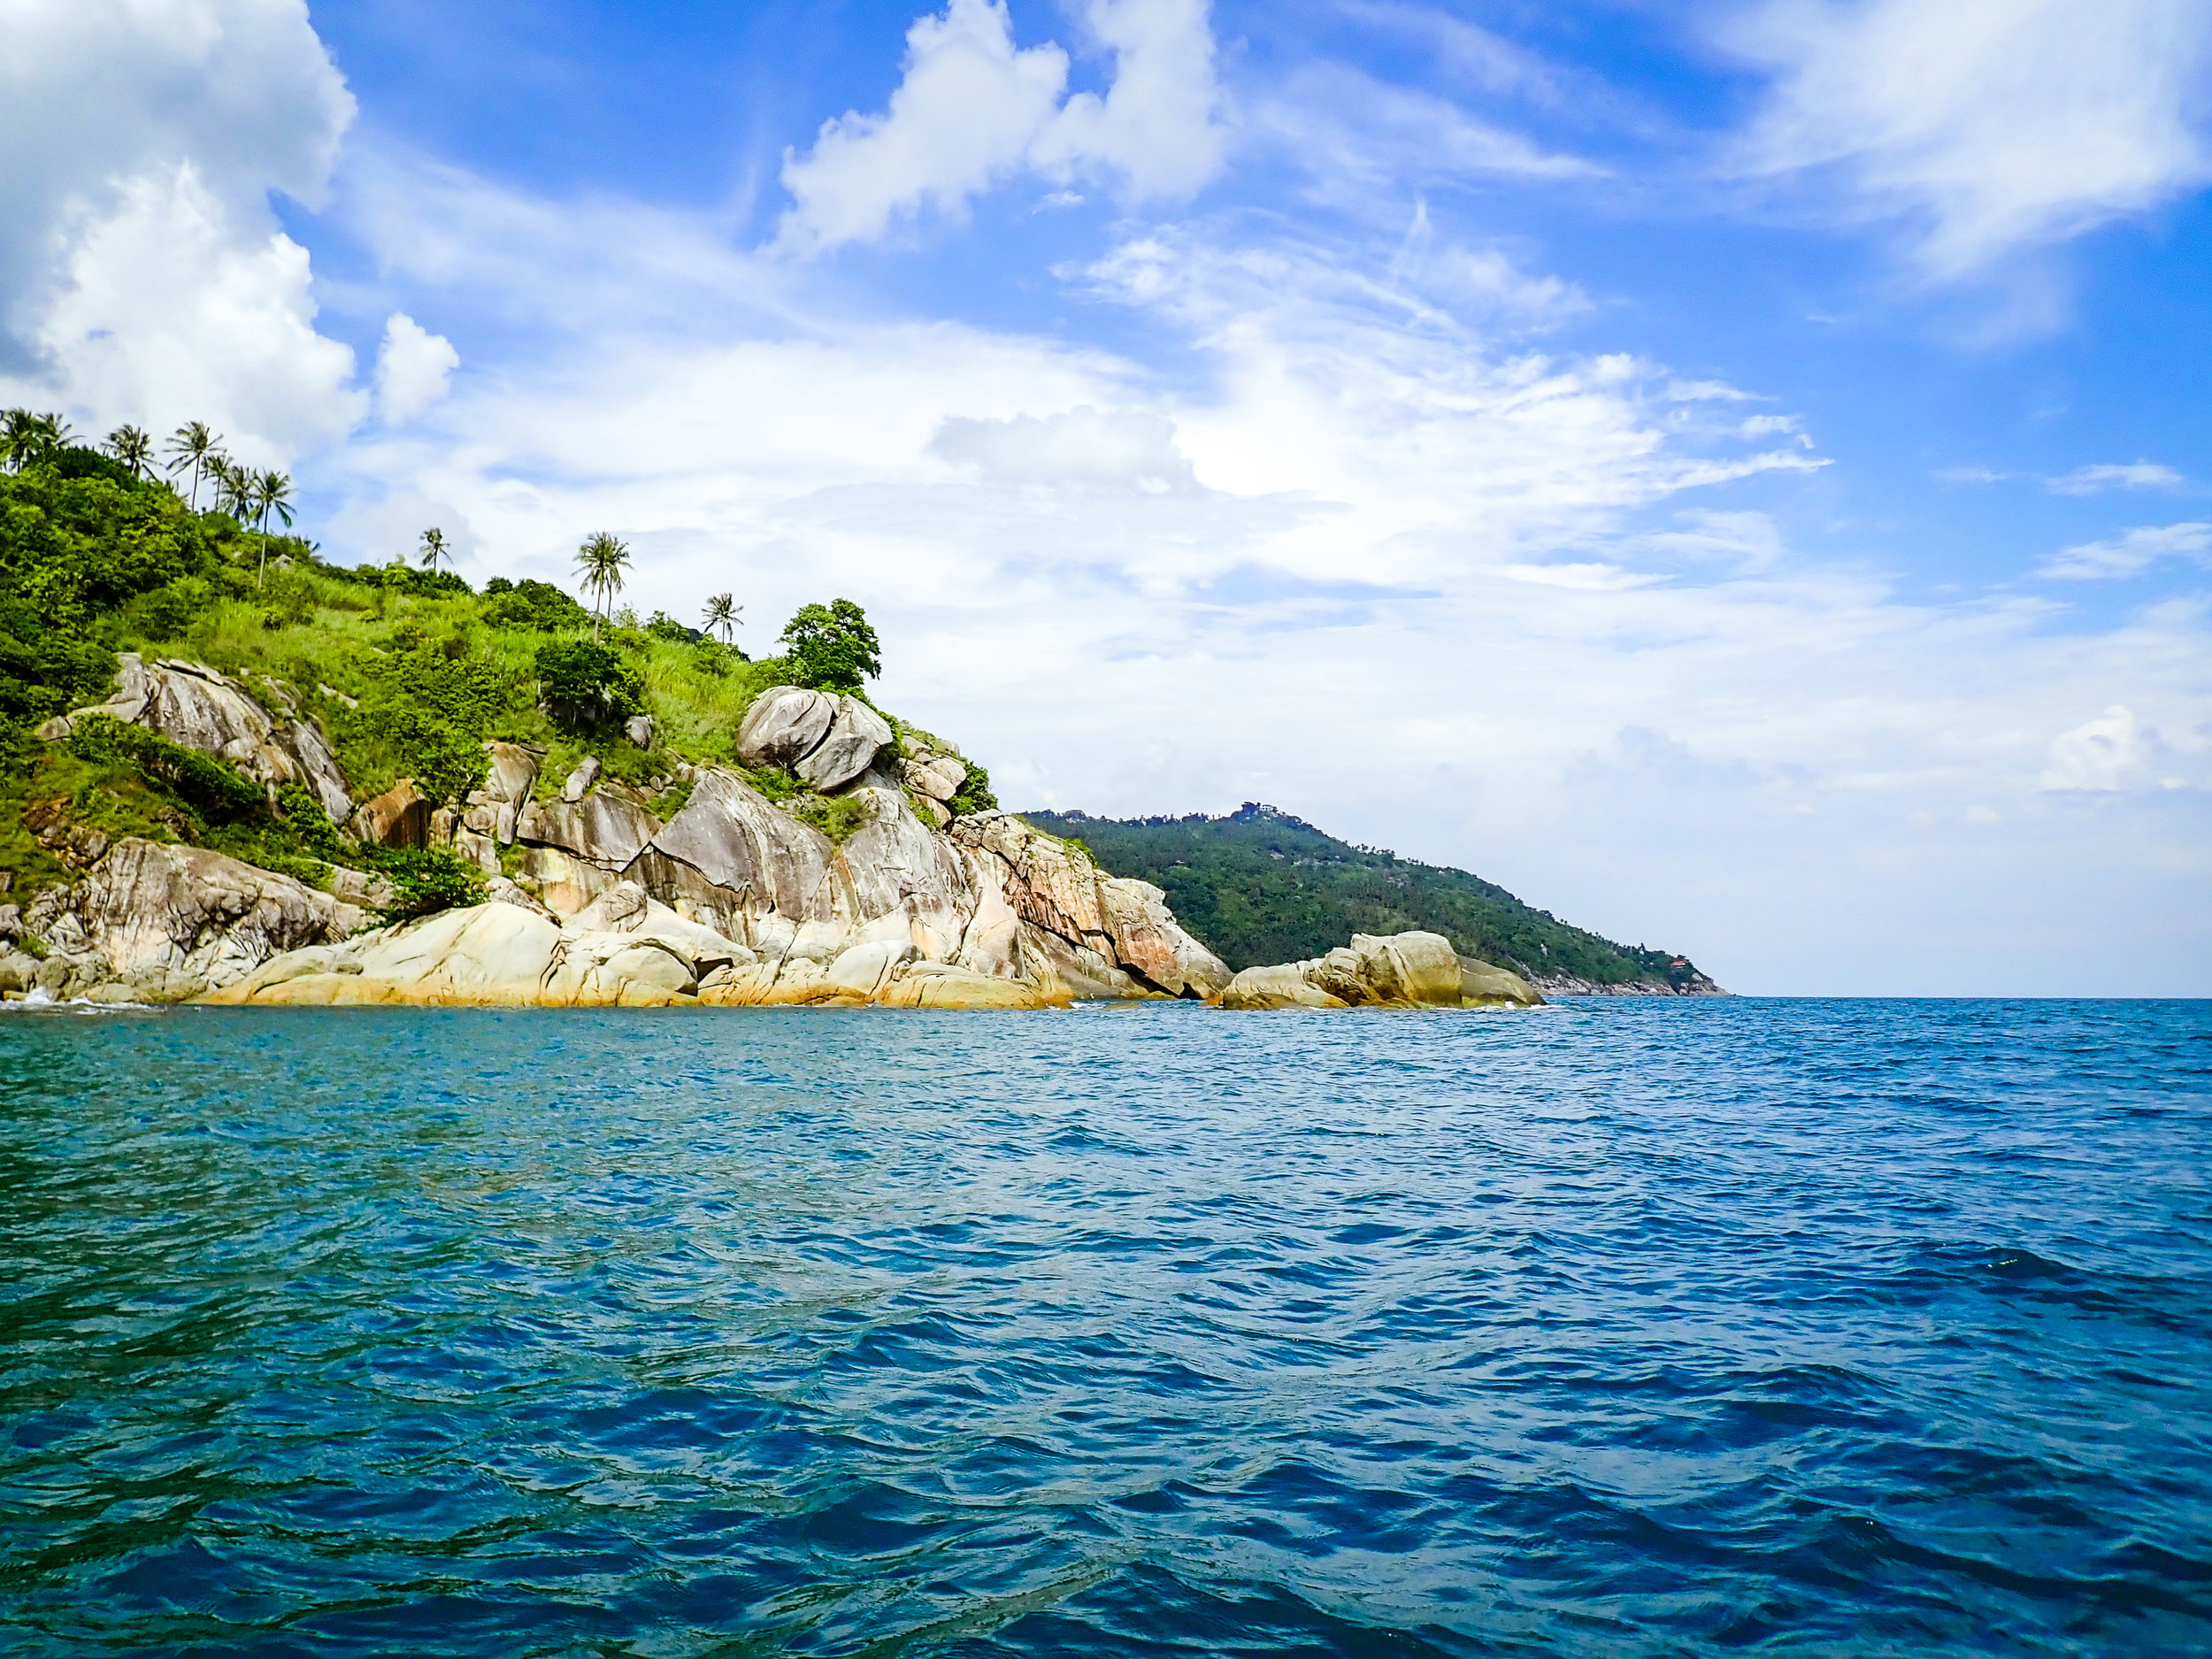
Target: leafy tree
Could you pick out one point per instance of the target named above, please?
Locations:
(433, 547)
(585, 685)
(601, 560)
(428, 879)
(193, 445)
(531, 604)
(133, 448)
(664, 626)
(831, 647)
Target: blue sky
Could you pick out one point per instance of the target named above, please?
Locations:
(1737, 473)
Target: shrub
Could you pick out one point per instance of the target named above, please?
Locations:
(664, 626)
(838, 817)
(831, 647)
(974, 793)
(536, 605)
(427, 878)
(213, 790)
(585, 685)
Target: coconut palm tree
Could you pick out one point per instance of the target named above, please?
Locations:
(133, 447)
(434, 548)
(601, 559)
(270, 492)
(193, 445)
(26, 436)
(20, 438)
(721, 615)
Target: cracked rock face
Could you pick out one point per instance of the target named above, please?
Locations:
(159, 923)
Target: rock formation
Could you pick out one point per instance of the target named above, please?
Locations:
(192, 704)
(734, 899)
(1412, 970)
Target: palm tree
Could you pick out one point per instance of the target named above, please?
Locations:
(601, 559)
(133, 447)
(434, 548)
(722, 615)
(20, 437)
(234, 486)
(193, 445)
(25, 437)
(271, 493)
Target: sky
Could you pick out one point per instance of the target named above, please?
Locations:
(1738, 474)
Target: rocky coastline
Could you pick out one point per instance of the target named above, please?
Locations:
(691, 890)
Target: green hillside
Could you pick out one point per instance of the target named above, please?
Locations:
(408, 670)
(1260, 887)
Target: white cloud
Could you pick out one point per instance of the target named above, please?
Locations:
(1984, 126)
(1405, 581)
(1362, 139)
(2090, 481)
(1132, 448)
(2099, 756)
(413, 368)
(141, 274)
(2130, 553)
(973, 111)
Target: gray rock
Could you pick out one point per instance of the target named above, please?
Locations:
(604, 828)
(193, 704)
(513, 775)
(149, 907)
(857, 734)
(784, 724)
(578, 782)
(639, 729)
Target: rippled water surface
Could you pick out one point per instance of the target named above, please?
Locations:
(1625, 1328)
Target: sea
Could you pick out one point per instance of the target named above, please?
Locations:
(1622, 1327)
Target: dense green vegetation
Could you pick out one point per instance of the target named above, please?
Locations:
(1261, 887)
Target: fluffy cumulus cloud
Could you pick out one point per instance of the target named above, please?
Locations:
(2099, 756)
(412, 369)
(142, 275)
(974, 110)
(1983, 126)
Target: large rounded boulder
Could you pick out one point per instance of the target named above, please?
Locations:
(785, 724)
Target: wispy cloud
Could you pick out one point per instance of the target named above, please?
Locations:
(2090, 481)
(1980, 128)
(2130, 553)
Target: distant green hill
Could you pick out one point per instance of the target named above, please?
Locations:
(1260, 886)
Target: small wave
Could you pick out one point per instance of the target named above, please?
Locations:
(40, 1000)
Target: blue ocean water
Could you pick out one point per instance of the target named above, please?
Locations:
(1623, 1328)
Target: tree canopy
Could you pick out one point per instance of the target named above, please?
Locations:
(831, 646)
